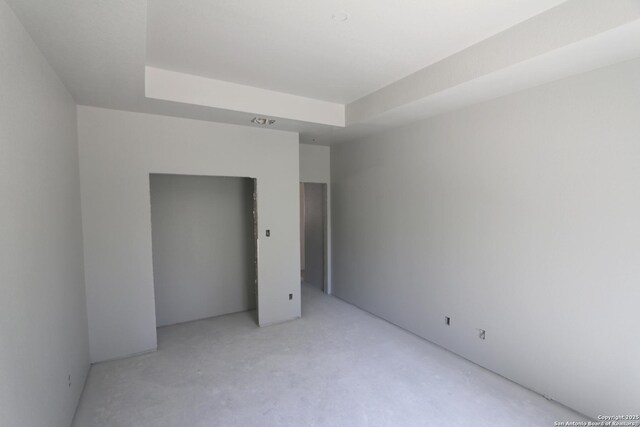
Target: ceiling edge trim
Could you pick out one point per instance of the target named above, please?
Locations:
(189, 89)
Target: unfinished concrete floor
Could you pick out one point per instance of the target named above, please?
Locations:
(337, 366)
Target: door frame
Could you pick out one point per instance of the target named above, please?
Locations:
(326, 224)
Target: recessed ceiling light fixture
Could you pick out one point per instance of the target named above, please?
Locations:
(262, 121)
(340, 16)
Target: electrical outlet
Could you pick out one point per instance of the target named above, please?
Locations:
(481, 334)
(290, 297)
(447, 320)
(69, 379)
(268, 233)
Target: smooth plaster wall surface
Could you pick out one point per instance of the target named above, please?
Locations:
(118, 151)
(518, 216)
(203, 244)
(315, 163)
(43, 322)
(315, 167)
(302, 226)
(314, 232)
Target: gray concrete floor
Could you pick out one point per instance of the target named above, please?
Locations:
(337, 366)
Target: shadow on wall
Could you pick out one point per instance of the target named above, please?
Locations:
(204, 248)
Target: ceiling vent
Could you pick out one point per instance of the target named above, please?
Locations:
(262, 121)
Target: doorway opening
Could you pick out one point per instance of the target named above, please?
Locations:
(313, 234)
(203, 231)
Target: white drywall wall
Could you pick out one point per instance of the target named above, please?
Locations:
(43, 322)
(301, 226)
(203, 246)
(315, 163)
(314, 233)
(518, 216)
(315, 167)
(118, 151)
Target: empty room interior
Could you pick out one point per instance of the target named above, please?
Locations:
(330, 213)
